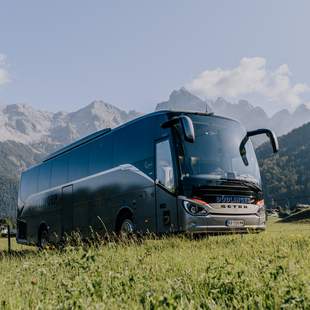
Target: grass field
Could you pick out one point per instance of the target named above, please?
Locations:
(268, 270)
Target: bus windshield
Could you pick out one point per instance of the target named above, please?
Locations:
(215, 152)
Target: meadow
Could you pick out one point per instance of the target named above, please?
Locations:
(270, 270)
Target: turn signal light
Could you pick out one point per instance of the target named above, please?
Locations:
(201, 202)
(260, 203)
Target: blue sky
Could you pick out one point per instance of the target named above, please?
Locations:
(61, 55)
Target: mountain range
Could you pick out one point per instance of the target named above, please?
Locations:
(22, 123)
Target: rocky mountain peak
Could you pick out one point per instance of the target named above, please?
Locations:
(244, 104)
(183, 100)
(301, 109)
(100, 105)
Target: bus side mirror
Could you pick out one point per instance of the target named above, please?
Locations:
(270, 134)
(188, 128)
(186, 124)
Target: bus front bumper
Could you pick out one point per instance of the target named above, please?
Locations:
(223, 223)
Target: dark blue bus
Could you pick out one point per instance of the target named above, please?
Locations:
(164, 172)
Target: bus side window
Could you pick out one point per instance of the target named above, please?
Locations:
(79, 163)
(44, 176)
(29, 183)
(134, 146)
(101, 154)
(59, 173)
(164, 165)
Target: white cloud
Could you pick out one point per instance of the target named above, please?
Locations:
(271, 89)
(4, 75)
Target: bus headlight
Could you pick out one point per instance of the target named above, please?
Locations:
(195, 207)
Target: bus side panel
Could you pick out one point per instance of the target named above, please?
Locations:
(144, 207)
(43, 209)
(142, 204)
(80, 215)
(103, 196)
(97, 202)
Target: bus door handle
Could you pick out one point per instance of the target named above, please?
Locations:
(163, 206)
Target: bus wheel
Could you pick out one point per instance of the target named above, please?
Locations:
(43, 239)
(127, 227)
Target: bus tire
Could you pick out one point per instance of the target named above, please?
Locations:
(125, 226)
(43, 238)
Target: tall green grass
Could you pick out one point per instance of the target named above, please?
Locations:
(268, 270)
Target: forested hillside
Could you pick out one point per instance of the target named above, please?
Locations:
(286, 176)
(8, 196)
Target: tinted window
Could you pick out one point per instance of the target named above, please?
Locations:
(44, 176)
(101, 154)
(164, 165)
(215, 152)
(79, 163)
(29, 182)
(59, 171)
(134, 145)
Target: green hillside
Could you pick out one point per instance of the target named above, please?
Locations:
(286, 176)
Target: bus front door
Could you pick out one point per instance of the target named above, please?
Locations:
(67, 210)
(166, 203)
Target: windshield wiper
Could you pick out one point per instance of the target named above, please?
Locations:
(249, 184)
